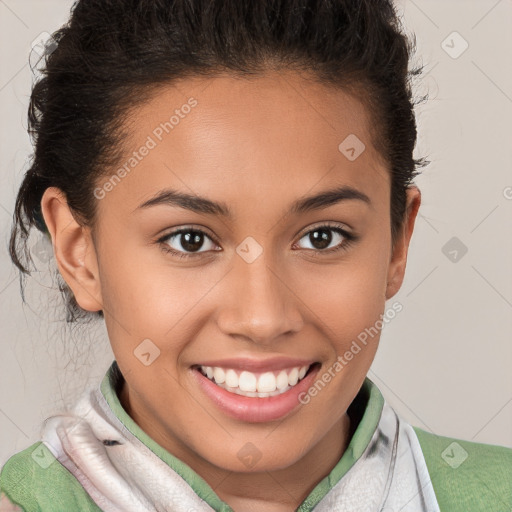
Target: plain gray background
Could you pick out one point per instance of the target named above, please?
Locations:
(444, 363)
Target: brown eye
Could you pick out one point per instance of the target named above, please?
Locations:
(321, 238)
(186, 240)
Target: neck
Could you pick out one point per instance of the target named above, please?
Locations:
(281, 490)
(285, 489)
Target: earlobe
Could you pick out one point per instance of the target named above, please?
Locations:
(74, 250)
(396, 270)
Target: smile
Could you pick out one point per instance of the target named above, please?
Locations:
(255, 391)
(261, 384)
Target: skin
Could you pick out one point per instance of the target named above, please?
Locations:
(257, 145)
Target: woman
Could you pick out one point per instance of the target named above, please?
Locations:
(230, 185)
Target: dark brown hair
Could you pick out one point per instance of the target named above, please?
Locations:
(112, 54)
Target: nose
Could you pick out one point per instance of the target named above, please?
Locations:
(260, 304)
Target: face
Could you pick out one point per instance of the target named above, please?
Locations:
(254, 279)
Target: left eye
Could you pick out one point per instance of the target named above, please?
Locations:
(321, 236)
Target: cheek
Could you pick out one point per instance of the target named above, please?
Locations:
(145, 301)
(146, 296)
(350, 303)
(133, 291)
(348, 296)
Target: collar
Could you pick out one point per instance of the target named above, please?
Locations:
(124, 470)
(365, 412)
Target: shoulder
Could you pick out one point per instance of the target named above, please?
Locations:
(468, 476)
(35, 480)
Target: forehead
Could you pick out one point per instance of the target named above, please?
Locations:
(275, 136)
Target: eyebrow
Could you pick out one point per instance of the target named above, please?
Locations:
(199, 204)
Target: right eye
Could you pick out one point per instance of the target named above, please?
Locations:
(190, 239)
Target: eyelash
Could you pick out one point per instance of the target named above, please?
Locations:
(343, 246)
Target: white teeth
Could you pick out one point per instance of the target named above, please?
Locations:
(282, 380)
(293, 378)
(247, 381)
(255, 385)
(218, 374)
(231, 379)
(267, 382)
(253, 394)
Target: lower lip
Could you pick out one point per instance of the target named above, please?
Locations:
(254, 409)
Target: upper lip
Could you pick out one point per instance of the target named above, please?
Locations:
(255, 365)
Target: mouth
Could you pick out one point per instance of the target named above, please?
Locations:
(257, 395)
(256, 384)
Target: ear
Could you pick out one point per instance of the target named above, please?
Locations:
(74, 250)
(396, 270)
